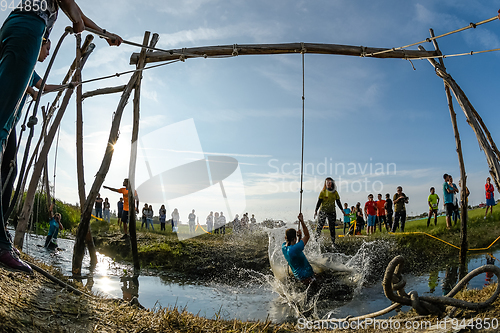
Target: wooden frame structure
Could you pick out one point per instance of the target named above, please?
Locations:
(147, 56)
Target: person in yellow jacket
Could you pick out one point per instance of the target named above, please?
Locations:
(328, 197)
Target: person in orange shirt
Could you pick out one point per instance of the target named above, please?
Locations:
(124, 191)
(381, 213)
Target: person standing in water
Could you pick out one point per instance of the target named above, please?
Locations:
(327, 199)
(55, 225)
(293, 250)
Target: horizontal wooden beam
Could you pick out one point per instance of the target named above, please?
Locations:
(260, 49)
(104, 91)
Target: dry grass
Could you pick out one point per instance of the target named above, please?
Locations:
(34, 304)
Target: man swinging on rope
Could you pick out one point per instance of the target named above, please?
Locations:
(293, 251)
(55, 225)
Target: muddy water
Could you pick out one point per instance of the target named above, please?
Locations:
(253, 298)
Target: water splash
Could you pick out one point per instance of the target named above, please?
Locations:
(342, 276)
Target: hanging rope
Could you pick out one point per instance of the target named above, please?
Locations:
(456, 54)
(471, 25)
(106, 36)
(55, 163)
(74, 85)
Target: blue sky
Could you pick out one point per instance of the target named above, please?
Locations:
(359, 111)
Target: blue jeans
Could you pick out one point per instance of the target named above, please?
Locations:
(399, 216)
(98, 212)
(107, 216)
(148, 222)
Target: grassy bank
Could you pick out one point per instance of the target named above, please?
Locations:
(224, 256)
(425, 252)
(210, 256)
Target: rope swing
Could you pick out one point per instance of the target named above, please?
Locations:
(302, 52)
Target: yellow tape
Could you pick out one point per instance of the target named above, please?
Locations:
(439, 239)
(98, 218)
(201, 228)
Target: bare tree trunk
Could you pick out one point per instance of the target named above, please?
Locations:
(133, 155)
(79, 247)
(79, 149)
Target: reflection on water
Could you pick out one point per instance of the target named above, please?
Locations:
(130, 287)
(450, 278)
(256, 296)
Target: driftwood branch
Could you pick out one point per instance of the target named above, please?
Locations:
(133, 150)
(485, 141)
(285, 48)
(103, 91)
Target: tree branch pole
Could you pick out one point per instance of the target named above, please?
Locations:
(284, 48)
(133, 156)
(463, 176)
(79, 247)
(79, 148)
(103, 91)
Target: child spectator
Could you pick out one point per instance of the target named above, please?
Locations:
(347, 218)
(433, 202)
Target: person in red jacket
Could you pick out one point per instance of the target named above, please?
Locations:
(490, 196)
(371, 214)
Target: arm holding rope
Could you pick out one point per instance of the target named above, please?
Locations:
(52, 215)
(80, 21)
(306, 237)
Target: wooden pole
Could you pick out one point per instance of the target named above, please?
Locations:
(133, 156)
(103, 91)
(79, 148)
(284, 48)
(463, 176)
(79, 247)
